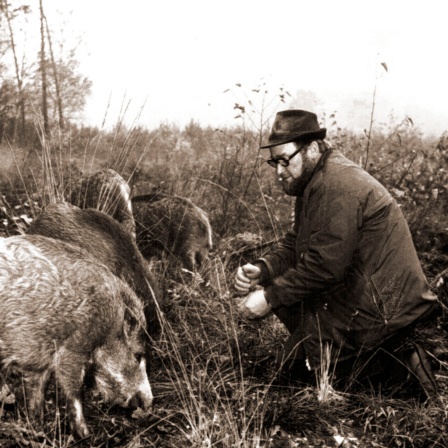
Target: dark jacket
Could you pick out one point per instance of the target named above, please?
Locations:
(349, 260)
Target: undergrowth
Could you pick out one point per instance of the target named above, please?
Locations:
(214, 374)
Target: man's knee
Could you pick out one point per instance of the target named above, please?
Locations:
(289, 316)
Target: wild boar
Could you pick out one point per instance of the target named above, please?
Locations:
(61, 312)
(108, 192)
(173, 225)
(108, 243)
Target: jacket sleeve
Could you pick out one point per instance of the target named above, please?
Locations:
(332, 217)
(284, 255)
(279, 260)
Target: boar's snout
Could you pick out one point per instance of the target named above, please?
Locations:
(143, 398)
(126, 385)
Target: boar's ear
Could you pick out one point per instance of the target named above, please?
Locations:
(131, 319)
(133, 308)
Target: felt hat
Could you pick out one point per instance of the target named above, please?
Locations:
(294, 125)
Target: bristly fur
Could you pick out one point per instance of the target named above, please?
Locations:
(60, 311)
(108, 192)
(107, 242)
(174, 225)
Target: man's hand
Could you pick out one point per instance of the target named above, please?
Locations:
(254, 306)
(247, 277)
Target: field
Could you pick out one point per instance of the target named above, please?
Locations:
(213, 373)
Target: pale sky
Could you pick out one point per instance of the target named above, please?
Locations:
(176, 57)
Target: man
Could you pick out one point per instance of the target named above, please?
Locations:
(347, 275)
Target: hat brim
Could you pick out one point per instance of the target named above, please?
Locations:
(314, 135)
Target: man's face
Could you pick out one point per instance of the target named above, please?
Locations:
(297, 174)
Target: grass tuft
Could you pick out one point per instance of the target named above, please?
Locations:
(213, 372)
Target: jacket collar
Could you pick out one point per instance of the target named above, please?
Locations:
(321, 162)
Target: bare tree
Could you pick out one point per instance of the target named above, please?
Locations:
(51, 84)
(43, 69)
(56, 79)
(19, 78)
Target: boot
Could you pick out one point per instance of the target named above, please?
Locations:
(417, 363)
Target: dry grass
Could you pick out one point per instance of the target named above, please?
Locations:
(213, 373)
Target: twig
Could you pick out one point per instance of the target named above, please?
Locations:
(435, 283)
